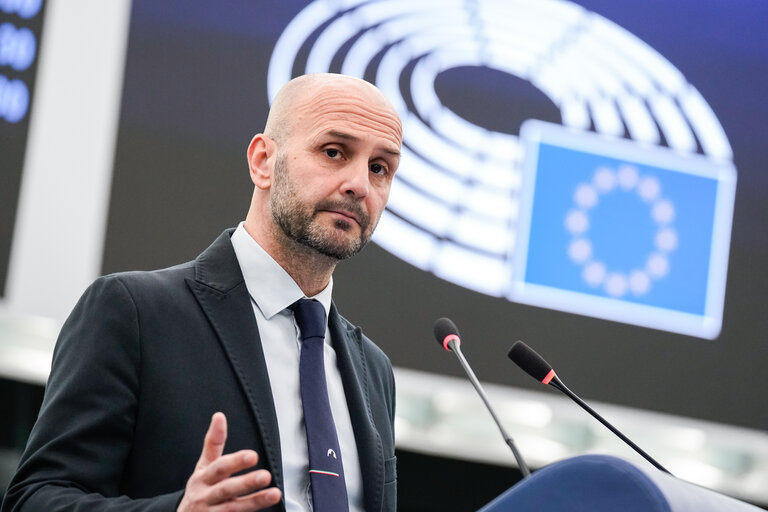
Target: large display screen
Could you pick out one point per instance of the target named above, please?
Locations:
(21, 26)
(586, 176)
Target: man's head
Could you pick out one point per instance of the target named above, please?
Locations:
(323, 166)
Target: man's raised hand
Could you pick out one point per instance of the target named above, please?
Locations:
(211, 486)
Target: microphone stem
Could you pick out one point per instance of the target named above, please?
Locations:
(456, 349)
(558, 384)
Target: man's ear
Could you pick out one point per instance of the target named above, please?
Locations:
(262, 153)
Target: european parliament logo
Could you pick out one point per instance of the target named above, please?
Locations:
(619, 231)
(622, 213)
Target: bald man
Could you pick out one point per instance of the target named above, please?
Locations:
(178, 389)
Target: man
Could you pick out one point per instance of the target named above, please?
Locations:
(148, 361)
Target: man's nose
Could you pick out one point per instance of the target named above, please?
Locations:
(356, 180)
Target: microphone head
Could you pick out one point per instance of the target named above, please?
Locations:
(446, 331)
(531, 362)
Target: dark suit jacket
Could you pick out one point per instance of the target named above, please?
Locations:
(140, 366)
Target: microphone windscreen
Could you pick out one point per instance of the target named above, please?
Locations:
(444, 327)
(531, 362)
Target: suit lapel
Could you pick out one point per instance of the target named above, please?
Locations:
(220, 289)
(347, 342)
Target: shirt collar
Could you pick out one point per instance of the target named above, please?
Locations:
(269, 285)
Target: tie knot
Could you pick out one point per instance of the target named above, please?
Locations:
(310, 317)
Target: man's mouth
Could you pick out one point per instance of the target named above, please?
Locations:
(350, 212)
(344, 213)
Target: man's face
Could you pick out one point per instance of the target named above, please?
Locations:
(333, 173)
(298, 219)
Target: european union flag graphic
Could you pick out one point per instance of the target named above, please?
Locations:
(615, 230)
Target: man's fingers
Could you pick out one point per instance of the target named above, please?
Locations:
(228, 464)
(213, 444)
(211, 487)
(237, 486)
(261, 499)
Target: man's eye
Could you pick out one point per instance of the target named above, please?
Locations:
(378, 169)
(332, 153)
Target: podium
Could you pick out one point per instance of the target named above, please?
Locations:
(602, 483)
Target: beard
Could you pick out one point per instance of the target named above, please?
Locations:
(298, 220)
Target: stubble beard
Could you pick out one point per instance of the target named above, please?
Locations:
(298, 221)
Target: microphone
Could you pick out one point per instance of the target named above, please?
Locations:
(535, 366)
(447, 335)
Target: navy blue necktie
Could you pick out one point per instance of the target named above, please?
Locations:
(326, 472)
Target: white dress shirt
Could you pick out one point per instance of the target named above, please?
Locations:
(272, 290)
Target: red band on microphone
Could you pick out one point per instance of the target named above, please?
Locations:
(549, 377)
(448, 339)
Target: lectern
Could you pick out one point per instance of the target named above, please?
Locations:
(602, 483)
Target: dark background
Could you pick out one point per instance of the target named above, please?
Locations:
(195, 93)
